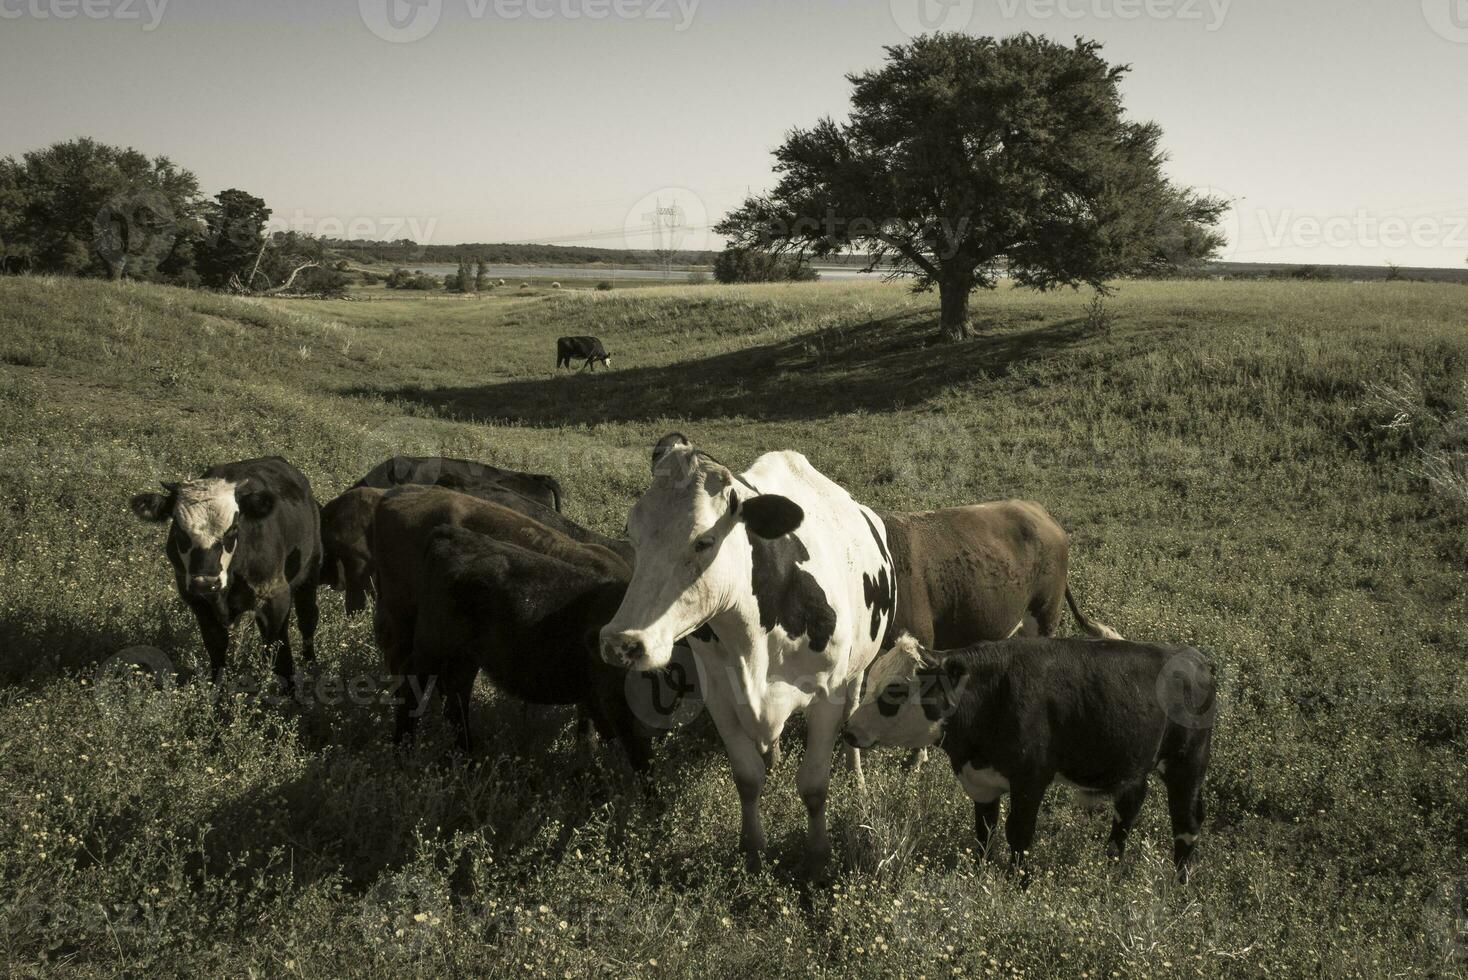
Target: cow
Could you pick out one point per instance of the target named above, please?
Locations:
(464, 475)
(245, 538)
(783, 586)
(401, 525)
(530, 622)
(1015, 715)
(570, 349)
(966, 574)
(346, 536)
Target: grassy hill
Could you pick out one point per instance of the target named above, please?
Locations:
(1241, 465)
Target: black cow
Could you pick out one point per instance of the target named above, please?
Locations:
(590, 349)
(529, 621)
(1015, 715)
(463, 475)
(246, 537)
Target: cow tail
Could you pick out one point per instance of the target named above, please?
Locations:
(1092, 628)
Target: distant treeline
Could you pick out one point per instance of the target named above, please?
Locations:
(406, 252)
(1341, 273)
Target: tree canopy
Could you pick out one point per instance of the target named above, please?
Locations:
(968, 158)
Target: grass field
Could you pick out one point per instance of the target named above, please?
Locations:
(1241, 467)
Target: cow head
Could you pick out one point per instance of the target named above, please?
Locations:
(205, 535)
(346, 545)
(694, 559)
(909, 693)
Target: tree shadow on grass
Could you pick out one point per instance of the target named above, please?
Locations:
(875, 366)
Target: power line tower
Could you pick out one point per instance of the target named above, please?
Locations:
(668, 225)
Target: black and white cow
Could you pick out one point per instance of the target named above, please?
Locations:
(246, 537)
(782, 585)
(1015, 715)
(464, 475)
(589, 349)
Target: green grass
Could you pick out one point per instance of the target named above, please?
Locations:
(1220, 460)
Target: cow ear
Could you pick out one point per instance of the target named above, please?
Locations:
(255, 503)
(153, 506)
(770, 515)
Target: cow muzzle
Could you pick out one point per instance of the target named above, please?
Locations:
(623, 649)
(206, 584)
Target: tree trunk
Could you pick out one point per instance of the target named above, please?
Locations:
(953, 292)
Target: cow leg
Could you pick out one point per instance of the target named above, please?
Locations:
(1184, 781)
(273, 616)
(748, 765)
(1128, 805)
(307, 616)
(1019, 829)
(823, 721)
(986, 818)
(458, 693)
(215, 632)
(853, 754)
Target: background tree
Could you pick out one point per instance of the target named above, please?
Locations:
(234, 235)
(966, 157)
(481, 276)
(741, 264)
(92, 209)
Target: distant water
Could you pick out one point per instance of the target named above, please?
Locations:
(607, 272)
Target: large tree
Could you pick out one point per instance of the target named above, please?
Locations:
(233, 239)
(90, 208)
(967, 157)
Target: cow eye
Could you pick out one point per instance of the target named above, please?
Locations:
(231, 538)
(181, 540)
(703, 544)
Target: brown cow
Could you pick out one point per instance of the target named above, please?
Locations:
(967, 574)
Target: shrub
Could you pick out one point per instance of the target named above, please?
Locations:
(735, 264)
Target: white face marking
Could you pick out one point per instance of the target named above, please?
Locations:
(205, 510)
(1188, 839)
(909, 727)
(982, 785)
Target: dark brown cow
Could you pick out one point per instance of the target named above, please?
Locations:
(400, 528)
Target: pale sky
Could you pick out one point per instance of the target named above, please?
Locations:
(1340, 127)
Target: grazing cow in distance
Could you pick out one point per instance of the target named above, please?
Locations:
(590, 349)
(464, 475)
(346, 536)
(530, 622)
(1015, 715)
(245, 537)
(782, 584)
(401, 525)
